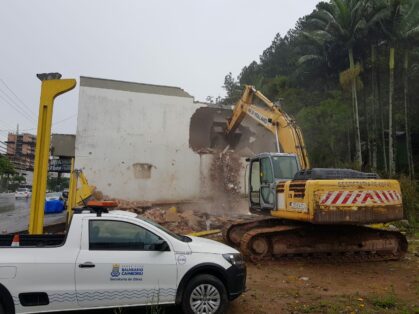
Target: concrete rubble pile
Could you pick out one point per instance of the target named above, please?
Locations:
(225, 181)
(224, 171)
(176, 220)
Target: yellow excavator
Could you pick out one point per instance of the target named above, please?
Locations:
(314, 212)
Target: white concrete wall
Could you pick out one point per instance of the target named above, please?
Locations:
(121, 135)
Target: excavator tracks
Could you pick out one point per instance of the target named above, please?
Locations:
(275, 238)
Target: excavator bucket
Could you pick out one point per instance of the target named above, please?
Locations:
(207, 134)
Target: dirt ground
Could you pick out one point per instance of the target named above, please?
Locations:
(302, 287)
(314, 287)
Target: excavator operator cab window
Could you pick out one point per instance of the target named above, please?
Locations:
(264, 173)
(285, 167)
(262, 184)
(266, 183)
(255, 183)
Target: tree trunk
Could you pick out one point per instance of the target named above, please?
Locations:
(381, 110)
(374, 107)
(358, 152)
(391, 160)
(367, 163)
(348, 134)
(406, 114)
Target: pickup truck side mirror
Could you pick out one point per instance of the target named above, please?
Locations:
(161, 246)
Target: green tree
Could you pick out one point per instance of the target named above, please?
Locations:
(402, 30)
(345, 42)
(6, 170)
(343, 21)
(57, 183)
(377, 11)
(233, 90)
(325, 127)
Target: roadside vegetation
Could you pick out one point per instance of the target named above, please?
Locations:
(10, 180)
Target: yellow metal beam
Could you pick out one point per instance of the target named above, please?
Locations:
(71, 201)
(79, 190)
(205, 233)
(51, 88)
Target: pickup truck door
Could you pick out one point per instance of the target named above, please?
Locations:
(119, 265)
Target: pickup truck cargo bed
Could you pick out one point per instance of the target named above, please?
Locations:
(27, 240)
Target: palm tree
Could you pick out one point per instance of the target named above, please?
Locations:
(344, 21)
(315, 57)
(408, 35)
(402, 30)
(377, 11)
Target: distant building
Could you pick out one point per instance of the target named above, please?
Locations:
(62, 151)
(21, 150)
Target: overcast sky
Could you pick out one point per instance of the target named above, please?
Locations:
(191, 44)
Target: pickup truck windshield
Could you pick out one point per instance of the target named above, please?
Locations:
(174, 235)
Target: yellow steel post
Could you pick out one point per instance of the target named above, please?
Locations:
(52, 86)
(71, 201)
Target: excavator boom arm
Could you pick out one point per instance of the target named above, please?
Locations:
(287, 133)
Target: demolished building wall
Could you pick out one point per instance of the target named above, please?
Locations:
(151, 143)
(132, 141)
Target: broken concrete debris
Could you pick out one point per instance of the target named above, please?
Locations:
(225, 178)
(178, 220)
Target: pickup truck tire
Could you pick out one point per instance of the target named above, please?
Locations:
(205, 294)
(2, 309)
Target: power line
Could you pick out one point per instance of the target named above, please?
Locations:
(7, 147)
(65, 119)
(16, 104)
(17, 108)
(14, 94)
(55, 123)
(7, 123)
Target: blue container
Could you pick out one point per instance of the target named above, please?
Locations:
(54, 206)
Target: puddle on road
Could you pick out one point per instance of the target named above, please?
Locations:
(14, 214)
(8, 203)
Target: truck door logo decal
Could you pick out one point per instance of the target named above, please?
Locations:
(121, 272)
(115, 270)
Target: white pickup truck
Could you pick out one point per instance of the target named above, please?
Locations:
(117, 259)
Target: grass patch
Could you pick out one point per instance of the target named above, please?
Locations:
(349, 304)
(387, 302)
(340, 304)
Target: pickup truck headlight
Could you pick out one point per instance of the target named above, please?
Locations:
(235, 259)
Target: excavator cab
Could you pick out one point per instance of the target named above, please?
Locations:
(266, 170)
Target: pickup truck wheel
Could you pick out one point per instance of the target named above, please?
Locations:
(205, 294)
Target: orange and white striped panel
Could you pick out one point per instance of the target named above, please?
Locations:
(360, 198)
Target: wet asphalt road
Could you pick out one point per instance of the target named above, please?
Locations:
(14, 214)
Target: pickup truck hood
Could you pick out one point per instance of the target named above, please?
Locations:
(202, 245)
